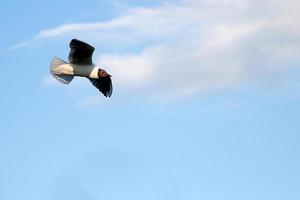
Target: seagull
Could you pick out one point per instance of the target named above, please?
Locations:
(81, 64)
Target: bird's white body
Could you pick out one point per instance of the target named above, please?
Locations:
(90, 71)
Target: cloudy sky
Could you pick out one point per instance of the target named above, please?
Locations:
(206, 101)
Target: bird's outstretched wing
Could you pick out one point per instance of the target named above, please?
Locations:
(80, 52)
(104, 85)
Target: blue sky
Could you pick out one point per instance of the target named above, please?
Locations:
(205, 106)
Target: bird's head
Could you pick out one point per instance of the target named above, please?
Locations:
(102, 73)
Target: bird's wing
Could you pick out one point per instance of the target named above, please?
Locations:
(80, 52)
(104, 85)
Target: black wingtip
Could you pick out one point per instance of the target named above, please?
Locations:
(78, 43)
(74, 42)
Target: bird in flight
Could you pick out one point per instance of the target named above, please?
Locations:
(81, 64)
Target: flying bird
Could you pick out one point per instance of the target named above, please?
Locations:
(81, 64)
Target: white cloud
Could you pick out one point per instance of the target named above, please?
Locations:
(189, 47)
(128, 69)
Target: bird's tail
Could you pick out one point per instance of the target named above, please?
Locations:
(56, 71)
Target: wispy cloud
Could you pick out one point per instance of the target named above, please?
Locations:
(189, 47)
